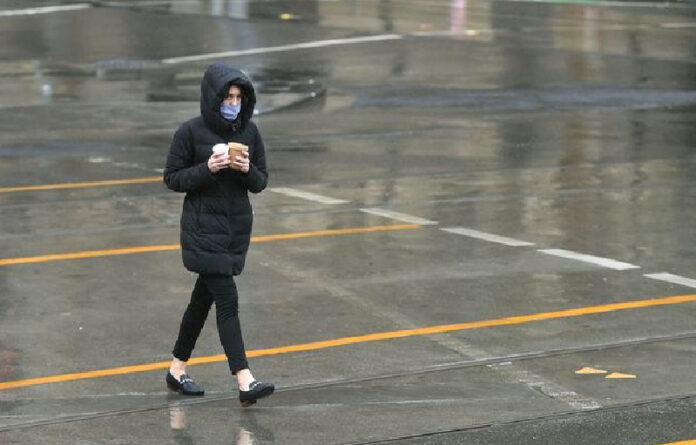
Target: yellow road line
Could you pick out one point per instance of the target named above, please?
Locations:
(87, 254)
(379, 336)
(74, 185)
(686, 442)
(334, 232)
(165, 247)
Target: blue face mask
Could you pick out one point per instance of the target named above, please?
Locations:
(230, 112)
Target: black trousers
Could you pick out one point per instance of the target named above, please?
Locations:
(221, 290)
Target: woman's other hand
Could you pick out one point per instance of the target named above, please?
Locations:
(218, 161)
(241, 162)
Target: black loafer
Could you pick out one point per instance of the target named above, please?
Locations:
(185, 385)
(257, 390)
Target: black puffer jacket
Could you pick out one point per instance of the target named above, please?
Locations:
(216, 218)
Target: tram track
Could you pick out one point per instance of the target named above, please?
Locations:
(533, 419)
(510, 358)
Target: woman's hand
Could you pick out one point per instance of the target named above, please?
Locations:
(218, 161)
(241, 162)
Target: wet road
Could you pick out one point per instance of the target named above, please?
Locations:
(479, 227)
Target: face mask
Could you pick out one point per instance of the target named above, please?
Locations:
(230, 112)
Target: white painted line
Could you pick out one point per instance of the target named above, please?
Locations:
(670, 278)
(398, 216)
(487, 236)
(450, 33)
(282, 48)
(604, 262)
(515, 372)
(678, 25)
(146, 3)
(43, 10)
(307, 195)
(595, 3)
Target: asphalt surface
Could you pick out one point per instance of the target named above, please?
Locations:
(479, 227)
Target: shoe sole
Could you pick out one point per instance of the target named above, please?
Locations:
(267, 392)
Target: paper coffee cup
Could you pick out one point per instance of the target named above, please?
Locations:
(220, 148)
(236, 149)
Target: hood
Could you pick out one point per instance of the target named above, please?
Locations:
(216, 82)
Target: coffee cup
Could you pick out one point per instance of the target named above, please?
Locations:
(220, 148)
(236, 149)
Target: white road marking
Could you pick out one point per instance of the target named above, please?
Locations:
(451, 33)
(307, 195)
(595, 3)
(535, 382)
(670, 278)
(604, 262)
(398, 216)
(678, 25)
(130, 4)
(43, 10)
(487, 236)
(283, 48)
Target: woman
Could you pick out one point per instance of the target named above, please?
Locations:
(216, 219)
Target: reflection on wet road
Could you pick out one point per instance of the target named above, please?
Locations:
(472, 201)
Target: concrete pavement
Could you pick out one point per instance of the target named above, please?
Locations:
(516, 177)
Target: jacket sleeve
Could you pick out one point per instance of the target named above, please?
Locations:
(257, 178)
(181, 174)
